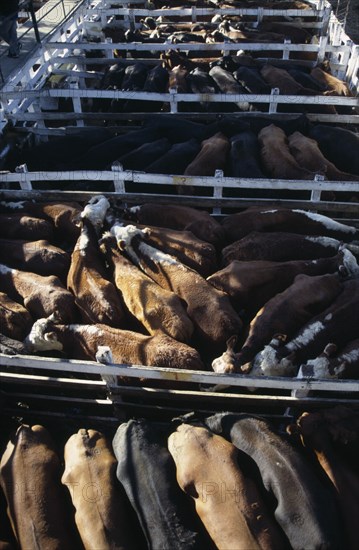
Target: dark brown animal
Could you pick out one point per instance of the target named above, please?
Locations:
(212, 156)
(30, 478)
(23, 226)
(39, 257)
(251, 284)
(15, 320)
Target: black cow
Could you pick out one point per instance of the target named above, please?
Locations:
(144, 155)
(306, 80)
(251, 80)
(338, 145)
(302, 505)
(102, 155)
(228, 85)
(176, 159)
(200, 82)
(148, 474)
(244, 156)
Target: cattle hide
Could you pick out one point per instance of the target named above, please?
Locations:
(308, 502)
(147, 473)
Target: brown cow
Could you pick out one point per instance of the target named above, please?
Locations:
(39, 257)
(30, 477)
(307, 153)
(268, 219)
(285, 313)
(204, 303)
(199, 222)
(276, 157)
(95, 296)
(315, 434)
(212, 156)
(177, 79)
(102, 508)
(280, 78)
(185, 246)
(15, 320)
(158, 309)
(280, 246)
(128, 347)
(251, 284)
(228, 503)
(333, 84)
(63, 215)
(23, 226)
(42, 296)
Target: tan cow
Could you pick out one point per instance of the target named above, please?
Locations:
(333, 84)
(276, 157)
(102, 509)
(157, 309)
(228, 503)
(30, 478)
(210, 310)
(307, 153)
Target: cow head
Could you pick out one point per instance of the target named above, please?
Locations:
(227, 361)
(43, 336)
(95, 211)
(125, 234)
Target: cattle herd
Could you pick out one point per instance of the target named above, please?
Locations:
(266, 290)
(228, 481)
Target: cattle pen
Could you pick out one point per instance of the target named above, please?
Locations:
(31, 105)
(61, 113)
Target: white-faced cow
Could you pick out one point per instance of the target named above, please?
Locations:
(96, 297)
(128, 347)
(250, 284)
(282, 247)
(285, 313)
(334, 363)
(204, 303)
(30, 473)
(287, 220)
(199, 222)
(157, 309)
(102, 509)
(228, 502)
(338, 324)
(302, 505)
(147, 472)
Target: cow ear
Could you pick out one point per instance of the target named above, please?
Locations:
(51, 336)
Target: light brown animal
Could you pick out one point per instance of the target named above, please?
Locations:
(30, 478)
(127, 347)
(204, 303)
(228, 503)
(307, 153)
(276, 157)
(333, 84)
(102, 508)
(158, 309)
